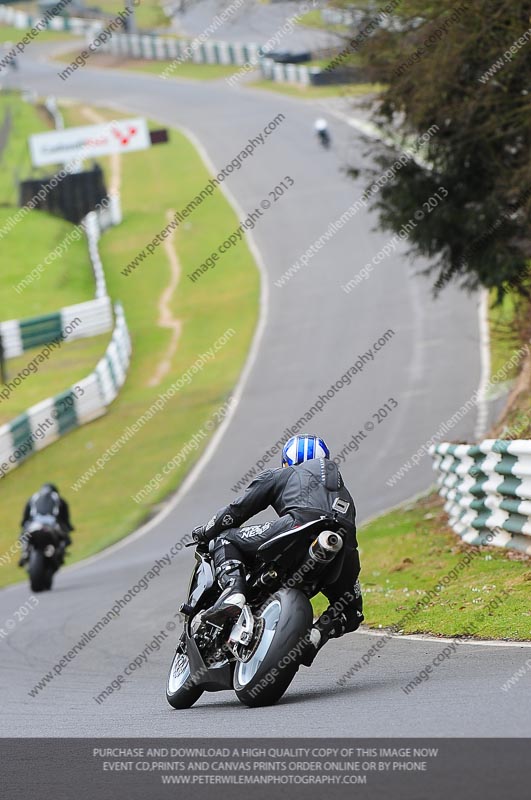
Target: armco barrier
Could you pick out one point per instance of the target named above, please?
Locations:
(487, 488)
(50, 104)
(92, 318)
(45, 422)
(159, 48)
(94, 224)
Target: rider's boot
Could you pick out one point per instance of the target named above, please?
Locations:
(231, 578)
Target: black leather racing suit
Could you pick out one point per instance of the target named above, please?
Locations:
(298, 494)
(48, 502)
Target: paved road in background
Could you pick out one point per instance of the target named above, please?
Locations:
(314, 332)
(256, 22)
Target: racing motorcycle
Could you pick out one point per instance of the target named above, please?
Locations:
(259, 654)
(46, 546)
(324, 138)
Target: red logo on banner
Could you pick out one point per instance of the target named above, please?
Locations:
(125, 138)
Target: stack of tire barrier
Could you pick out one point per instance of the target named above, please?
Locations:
(23, 21)
(165, 48)
(309, 76)
(291, 73)
(159, 48)
(44, 423)
(487, 488)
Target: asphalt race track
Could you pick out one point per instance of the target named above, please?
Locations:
(430, 365)
(254, 23)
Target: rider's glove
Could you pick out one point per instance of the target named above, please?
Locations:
(199, 535)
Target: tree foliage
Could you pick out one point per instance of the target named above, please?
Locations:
(444, 64)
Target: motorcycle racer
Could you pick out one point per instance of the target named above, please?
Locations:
(307, 486)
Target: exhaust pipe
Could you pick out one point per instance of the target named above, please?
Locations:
(325, 547)
(321, 551)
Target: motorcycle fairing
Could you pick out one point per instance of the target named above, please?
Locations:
(212, 679)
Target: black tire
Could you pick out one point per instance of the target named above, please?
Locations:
(40, 573)
(183, 695)
(49, 578)
(281, 659)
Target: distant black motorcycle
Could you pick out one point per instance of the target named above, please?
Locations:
(324, 137)
(259, 654)
(45, 546)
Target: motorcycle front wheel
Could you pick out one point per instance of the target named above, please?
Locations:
(180, 691)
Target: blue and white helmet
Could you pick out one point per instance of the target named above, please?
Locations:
(303, 448)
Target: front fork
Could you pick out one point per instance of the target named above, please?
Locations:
(242, 633)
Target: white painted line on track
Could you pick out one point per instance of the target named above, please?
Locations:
(426, 637)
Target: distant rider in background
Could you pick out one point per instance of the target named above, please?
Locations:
(321, 129)
(308, 486)
(45, 503)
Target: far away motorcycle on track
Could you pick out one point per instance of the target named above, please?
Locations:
(259, 654)
(46, 545)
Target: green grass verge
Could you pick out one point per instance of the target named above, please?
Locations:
(10, 34)
(186, 70)
(164, 177)
(15, 163)
(504, 338)
(314, 19)
(315, 92)
(407, 552)
(148, 13)
(510, 330)
(64, 281)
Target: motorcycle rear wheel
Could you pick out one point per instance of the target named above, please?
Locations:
(287, 618)
(40, 572)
